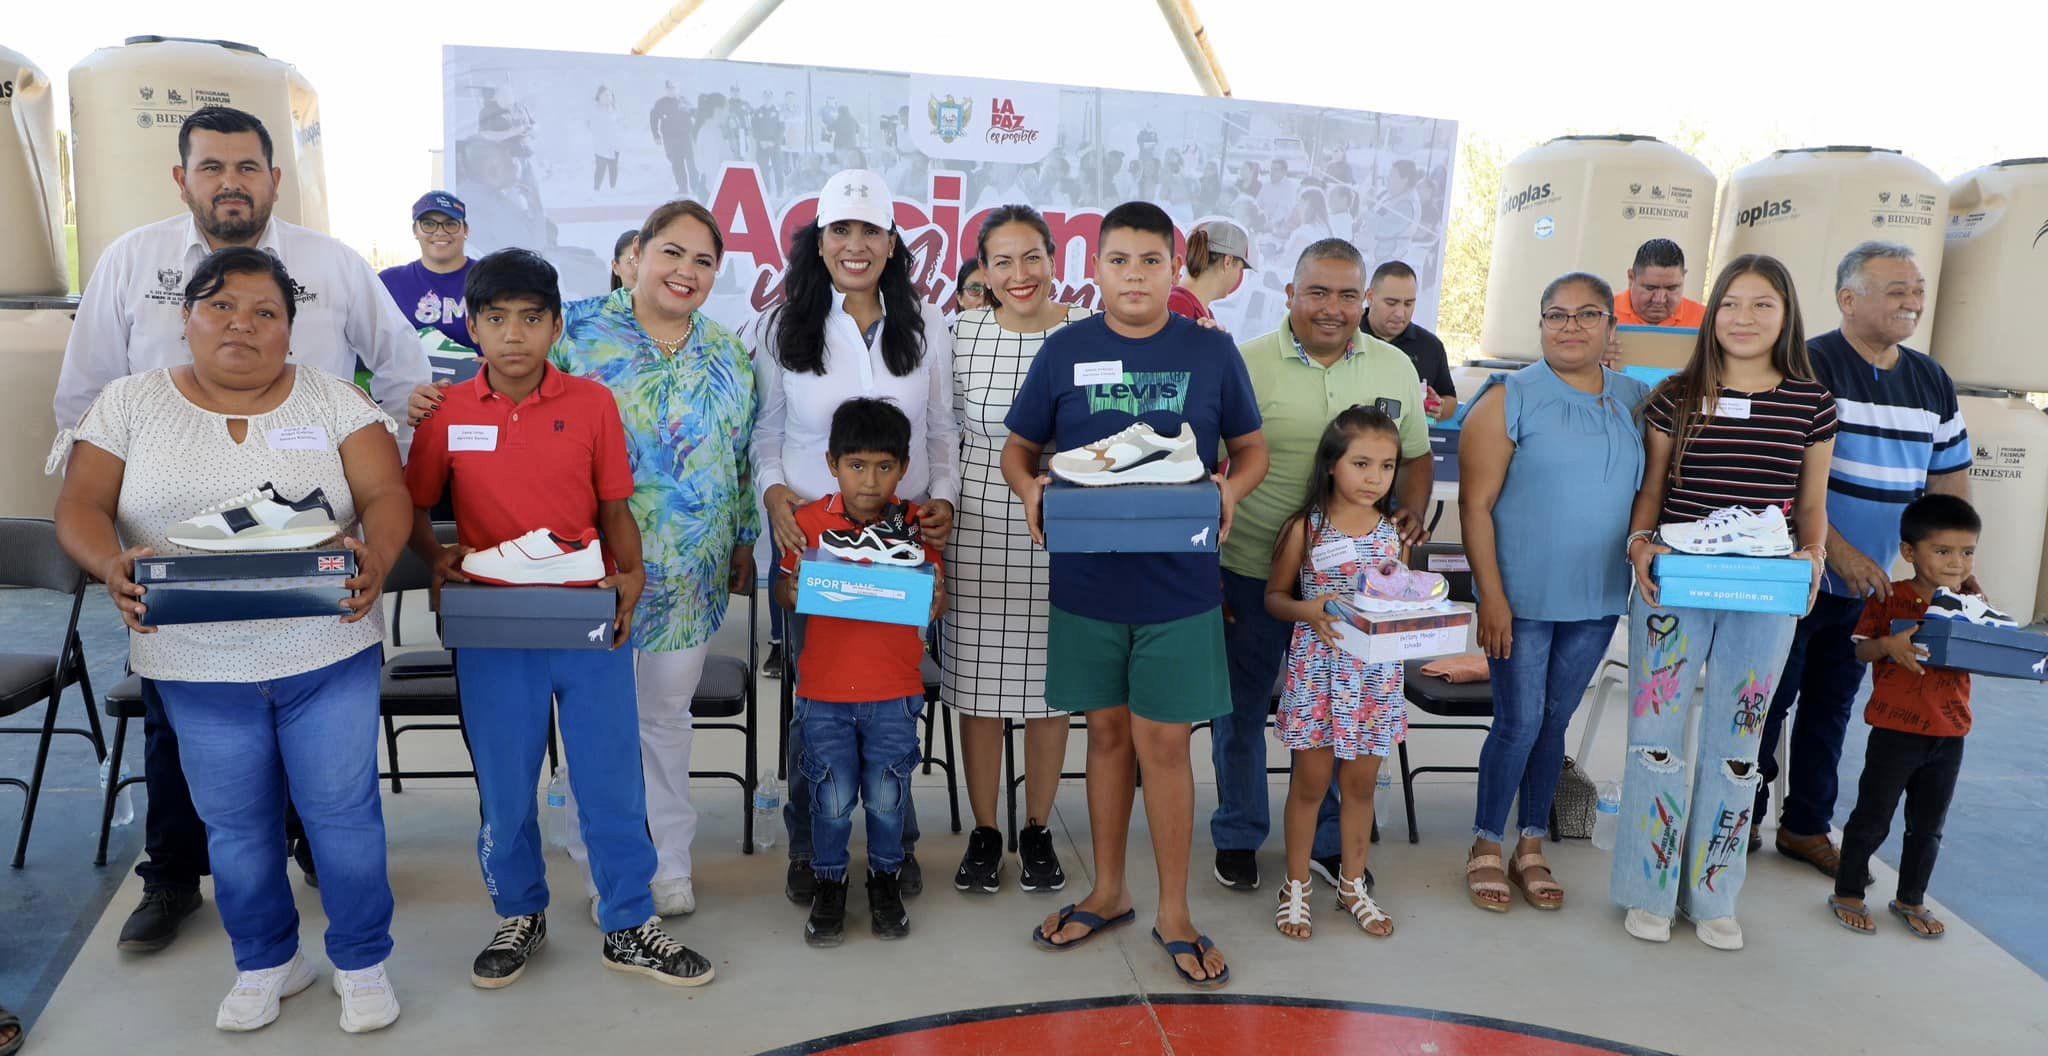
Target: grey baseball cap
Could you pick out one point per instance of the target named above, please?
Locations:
(1228, 239)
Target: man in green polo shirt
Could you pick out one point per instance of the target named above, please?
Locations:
(1316, 365)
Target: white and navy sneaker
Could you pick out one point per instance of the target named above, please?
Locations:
(647, 950)
(367, 1001)
(1966, 608)
(540, 557)
(891, 540)
(1734, 531)
(1137, 455)
(503, 961)
(259, 520)
(253, 1002)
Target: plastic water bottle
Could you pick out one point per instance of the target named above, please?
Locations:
(124, 803)
(1607, 817)
(767, 812)
(554, 819)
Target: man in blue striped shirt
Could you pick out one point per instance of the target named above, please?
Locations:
(1901, 435)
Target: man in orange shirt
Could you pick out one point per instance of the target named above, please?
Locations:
(1656, 290)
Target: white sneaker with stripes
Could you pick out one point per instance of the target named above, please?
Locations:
(1733, 532)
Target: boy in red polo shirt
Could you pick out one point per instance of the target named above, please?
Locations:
(527, 447)
(859, 685)
(1918, 717)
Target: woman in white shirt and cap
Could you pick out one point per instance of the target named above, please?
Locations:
(851, 324)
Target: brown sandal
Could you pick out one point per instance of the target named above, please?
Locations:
(1817, 851)
(1543, 894)
(1475, 888)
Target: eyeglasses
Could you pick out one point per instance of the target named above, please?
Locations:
(1587, 318)
(428, 227)
(975, 288)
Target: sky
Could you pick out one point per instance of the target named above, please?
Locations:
(1953, 88)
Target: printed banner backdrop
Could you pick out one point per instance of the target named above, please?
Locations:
(563, 151)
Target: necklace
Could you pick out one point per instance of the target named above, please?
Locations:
(672, 347)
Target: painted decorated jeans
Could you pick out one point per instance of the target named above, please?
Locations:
(1684, 825)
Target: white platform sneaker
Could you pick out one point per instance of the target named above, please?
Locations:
(367, 1000)
(253, 1002)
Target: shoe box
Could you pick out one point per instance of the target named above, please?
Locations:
(1132, 518)
(217, 588)
(1443, 450)
(859, 590)
(1736, 584)
(1387, 637)
(2001, 652)
(475, 616)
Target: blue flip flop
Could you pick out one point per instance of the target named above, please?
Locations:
(1195, 949)
(1069, 915)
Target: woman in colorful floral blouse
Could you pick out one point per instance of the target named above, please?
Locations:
(686, 393)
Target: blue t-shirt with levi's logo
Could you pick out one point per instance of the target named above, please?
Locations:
(1184, 373)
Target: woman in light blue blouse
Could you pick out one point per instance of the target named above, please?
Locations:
(1548, 464)
(686, 394)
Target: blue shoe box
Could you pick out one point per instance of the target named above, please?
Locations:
(1132, 518)
(1736, 584)
(1443, 450)
(859, 590)
(477, 616)
(2000, 652)
(218, 588)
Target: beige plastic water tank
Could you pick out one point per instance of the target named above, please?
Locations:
(1586, 203)
(309, 153)
(31, 186)
(32, 336)
(127, 104)
(1994, 270)
(1810, 206)
(2009, 487)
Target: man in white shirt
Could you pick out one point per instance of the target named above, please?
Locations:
(131, 320)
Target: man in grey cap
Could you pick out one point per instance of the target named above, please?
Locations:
(1219, 253)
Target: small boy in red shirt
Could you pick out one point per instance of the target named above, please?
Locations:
(1917, 715)
(859, 684)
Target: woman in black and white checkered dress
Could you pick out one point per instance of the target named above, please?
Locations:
(992, 641)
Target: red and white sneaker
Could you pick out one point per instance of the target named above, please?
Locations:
(539, 558)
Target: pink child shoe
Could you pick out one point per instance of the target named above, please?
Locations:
(1391, 587)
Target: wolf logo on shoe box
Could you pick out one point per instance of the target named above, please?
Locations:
(217, 588)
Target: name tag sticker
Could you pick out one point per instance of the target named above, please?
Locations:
(1334, 554)
(1731, 407)
(297, 438)
(1102, 372)
(472, 438)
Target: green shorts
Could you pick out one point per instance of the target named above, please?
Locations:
(1166, 672)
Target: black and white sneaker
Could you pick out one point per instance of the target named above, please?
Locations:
(772, 666)
(891, 540)
(504, 960)
(1041, 870)
(647, 950)
(259, 520)
(886, 915)
(981, 868)
(911, 876)
(1966, 608)
(1238, 870)
(1330, 868)
(827, 924)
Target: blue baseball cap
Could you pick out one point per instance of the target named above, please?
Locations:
(439, 202)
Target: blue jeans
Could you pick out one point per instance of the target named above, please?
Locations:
(796, 810)
(238, 742)
(1256, 646)
(507, 696)
(865, 752)
(1822, 676)
(1535, 692)
(1682, 841)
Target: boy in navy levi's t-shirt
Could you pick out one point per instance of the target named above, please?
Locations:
(1136, 640)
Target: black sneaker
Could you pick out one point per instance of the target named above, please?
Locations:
(910, 878)
(504, 960)
(772, 666)
(885, 905)
(302, 853)
(981, 868)
(1042, 870)
(647, 950)
(1330, 869)
(800, 884)
(1238, 870)
(155, 922)
(827, 926)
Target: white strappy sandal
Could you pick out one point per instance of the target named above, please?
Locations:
(1293, 909)
(1361, 906)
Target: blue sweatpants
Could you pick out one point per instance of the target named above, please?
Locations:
(506, 697)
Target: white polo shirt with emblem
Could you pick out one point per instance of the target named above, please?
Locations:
(131, 318)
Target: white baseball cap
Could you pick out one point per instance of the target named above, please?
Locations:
(857, 194)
